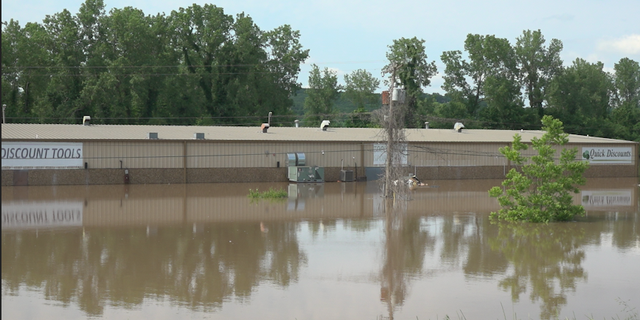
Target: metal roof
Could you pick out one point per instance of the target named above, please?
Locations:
(71, 132)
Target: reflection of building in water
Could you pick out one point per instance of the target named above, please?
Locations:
(202, 246)
(41, 215)
(193, 203)
(606, 199)
(298, 193)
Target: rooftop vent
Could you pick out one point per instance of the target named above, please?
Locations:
(264, 127)
(153, 135)
(324, 125)
(426, 124)
(458, 126)
(86, 120)
(198, 135)
(297, 122)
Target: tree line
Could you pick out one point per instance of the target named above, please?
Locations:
(201, 66)
(196, 65)
(498, 85)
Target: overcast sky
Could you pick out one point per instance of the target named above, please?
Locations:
(347, 35)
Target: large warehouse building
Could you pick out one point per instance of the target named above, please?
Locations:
(48, 154)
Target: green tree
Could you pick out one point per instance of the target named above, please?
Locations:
(624, 120)
(465, 81)
(25, 68)
(200, 34)
(285, 54)
(408, 60)
(321, 95)
(360, 86)
(240, 69)
(537, 66)
(68, 56)
(504, 108)
(580, 97)
(539, 189)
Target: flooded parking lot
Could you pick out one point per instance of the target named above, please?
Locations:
(327, 251)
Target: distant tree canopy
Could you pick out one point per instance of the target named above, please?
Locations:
(199, 65)
(196, 65)
(504, 86)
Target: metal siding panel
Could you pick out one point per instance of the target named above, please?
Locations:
(153, 154)
(134, 154)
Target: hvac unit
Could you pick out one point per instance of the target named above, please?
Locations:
(346, 175)
(306, 174)
(302, 159)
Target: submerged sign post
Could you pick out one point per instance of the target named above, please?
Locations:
(41, 155)
(607, 155)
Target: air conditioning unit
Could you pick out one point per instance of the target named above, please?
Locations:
(346, 175)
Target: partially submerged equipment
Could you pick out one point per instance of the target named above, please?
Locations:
(298, 171)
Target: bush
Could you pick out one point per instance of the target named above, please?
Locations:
(539, 189)
(270, 194)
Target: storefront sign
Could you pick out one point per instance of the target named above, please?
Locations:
(41, 155)
(607, 155)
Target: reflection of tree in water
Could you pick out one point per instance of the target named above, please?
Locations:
(624, 235)
(317, 227)
(481, 260)
(545, 256)
(405, 247)
(199, 269)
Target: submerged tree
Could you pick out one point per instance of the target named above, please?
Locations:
(540, 190)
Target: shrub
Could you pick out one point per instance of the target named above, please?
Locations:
(538, 190)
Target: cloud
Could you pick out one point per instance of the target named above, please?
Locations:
(627, 45)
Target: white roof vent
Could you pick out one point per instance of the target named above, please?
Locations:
(458, 126)
(86, 120)
(264, 127)
(324, 125)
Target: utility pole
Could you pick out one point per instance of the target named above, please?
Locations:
(388, 190)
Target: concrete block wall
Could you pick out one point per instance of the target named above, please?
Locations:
(36, 177)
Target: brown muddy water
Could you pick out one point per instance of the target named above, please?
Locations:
(328, 251)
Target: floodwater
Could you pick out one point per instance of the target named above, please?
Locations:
(328, 251)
